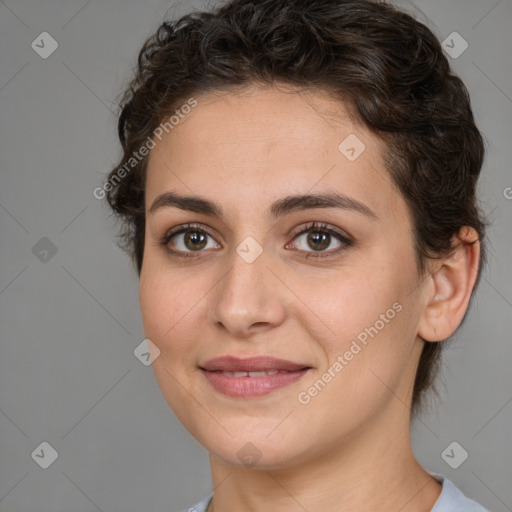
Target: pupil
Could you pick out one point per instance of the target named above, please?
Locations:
(198, 240)
(319, 240)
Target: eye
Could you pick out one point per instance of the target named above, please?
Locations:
(316, 237)
(187, 239)
(314, 240)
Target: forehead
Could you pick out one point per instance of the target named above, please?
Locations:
(265, 142)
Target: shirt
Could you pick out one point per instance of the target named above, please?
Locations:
(451, 499)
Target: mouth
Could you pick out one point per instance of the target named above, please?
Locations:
(261, 373)
(251, 377)
(251, 364)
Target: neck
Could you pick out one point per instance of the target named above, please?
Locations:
(368, 472)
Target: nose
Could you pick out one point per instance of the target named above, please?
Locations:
(248, 299)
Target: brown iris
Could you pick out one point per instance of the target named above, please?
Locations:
(319, 240)
(196, 239)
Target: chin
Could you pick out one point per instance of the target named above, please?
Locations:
(257, 452)
(256, 457)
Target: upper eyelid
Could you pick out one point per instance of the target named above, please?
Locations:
(178, 230)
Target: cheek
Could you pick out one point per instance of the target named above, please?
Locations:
(167, 308)
(156, 305)
(352, 302)
(370, 326)
(366, 365)
(167, 313)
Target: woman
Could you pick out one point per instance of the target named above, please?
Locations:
(298, 186)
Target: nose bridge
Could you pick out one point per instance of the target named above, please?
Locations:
(246, 295)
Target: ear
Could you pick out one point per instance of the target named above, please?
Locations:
(450, 288)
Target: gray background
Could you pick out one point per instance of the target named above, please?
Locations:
(70, 324)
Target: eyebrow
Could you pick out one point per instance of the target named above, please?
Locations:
(279, 208)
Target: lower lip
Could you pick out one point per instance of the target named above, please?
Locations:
(247, 387)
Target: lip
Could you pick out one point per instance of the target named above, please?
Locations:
(251, 387)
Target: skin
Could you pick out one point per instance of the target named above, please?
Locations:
(348, 448)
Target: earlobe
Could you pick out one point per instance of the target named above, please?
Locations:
(452, 284)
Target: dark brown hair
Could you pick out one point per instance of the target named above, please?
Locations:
(386, 66)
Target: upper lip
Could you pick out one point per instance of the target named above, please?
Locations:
(250, 364)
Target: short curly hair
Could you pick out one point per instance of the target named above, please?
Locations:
(387, 67)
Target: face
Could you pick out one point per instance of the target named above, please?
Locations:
(254, 269)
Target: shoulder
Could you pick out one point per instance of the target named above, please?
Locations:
(201, 506)
(452, 499)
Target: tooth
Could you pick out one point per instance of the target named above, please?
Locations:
(257, 374)
(262, 373)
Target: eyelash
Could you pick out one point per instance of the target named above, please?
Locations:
(318, 226)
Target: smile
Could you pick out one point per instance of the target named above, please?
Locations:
(245, 384)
